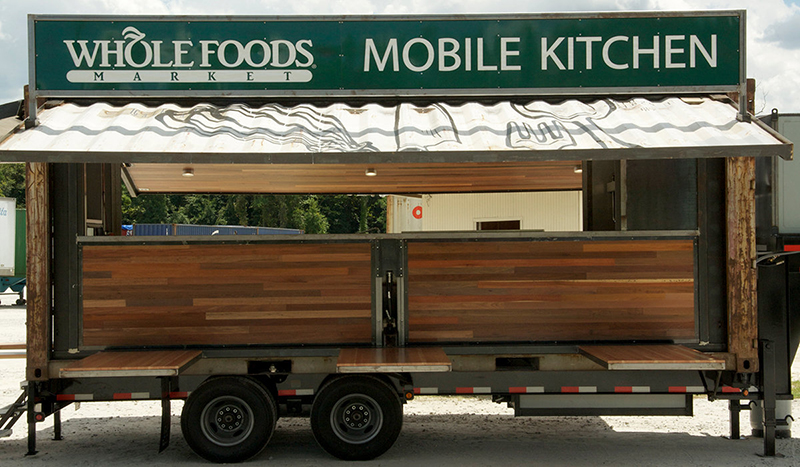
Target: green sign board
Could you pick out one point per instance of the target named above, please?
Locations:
(386, 55)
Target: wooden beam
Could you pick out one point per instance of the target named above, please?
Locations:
(741, 256)
(37, 183)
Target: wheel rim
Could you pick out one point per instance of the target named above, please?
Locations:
(356, 418)
(227, 421)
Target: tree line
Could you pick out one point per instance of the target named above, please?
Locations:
(314, 214)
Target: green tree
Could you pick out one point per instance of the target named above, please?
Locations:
(311, 213)
(12, 182)
(354, 213)
(309, 218)
(146, 209)
(241, 205)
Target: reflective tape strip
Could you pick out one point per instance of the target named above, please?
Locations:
(424, 391)
(75, 397)
(296, 392)
(179, 395)
(579, 389)
(526, 390)
(791, 248)
(687, 389)
(474, 390)
(730, 390)
(632, 389)
(131, 395)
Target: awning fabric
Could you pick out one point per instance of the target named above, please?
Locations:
(405, 133)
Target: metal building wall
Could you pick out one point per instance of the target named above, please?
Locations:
(788, 179)
(559, 211)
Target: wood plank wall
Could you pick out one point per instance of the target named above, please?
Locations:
(166, 295)
(502, 291)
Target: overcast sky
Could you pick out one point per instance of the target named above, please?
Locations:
(773, 28)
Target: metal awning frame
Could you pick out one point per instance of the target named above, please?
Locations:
(784, 151)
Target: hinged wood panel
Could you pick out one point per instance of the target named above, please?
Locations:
(651, 357)
(216, 294)
(501, 291)
(153, 363)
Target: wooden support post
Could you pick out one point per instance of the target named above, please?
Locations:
(741, 256)
(37, 192)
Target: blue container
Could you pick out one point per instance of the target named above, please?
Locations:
(201, 230)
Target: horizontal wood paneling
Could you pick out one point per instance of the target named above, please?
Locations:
(350, 178)
(226, 294)
(493, 291)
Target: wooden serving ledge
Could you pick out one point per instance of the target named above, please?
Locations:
(142, 363)
(650, 357)
(392, 360)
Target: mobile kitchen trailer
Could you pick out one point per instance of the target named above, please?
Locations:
(653, 302)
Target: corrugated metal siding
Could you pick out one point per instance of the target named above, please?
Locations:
(152, 230)
(560, 211)
(305, 129)
(788, 180)
(277, 231)
(400, 214)
(183, 229)
(20, 244)
(187, 229)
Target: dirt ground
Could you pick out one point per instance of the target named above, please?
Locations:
(447, 431)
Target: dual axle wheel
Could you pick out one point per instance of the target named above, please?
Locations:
(231, 419)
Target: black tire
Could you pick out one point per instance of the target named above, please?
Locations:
(356, 417)
(229, 419)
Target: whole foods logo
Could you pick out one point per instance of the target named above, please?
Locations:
(136, 60)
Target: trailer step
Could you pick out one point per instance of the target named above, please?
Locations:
(140, 363)
(651, 357)
(393, 360)
(11, 413)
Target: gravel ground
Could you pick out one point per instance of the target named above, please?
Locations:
(447, 431)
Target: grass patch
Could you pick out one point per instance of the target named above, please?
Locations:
(796, 389)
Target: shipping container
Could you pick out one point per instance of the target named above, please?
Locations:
(187, 229)
(12, 249)
(8, 234)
